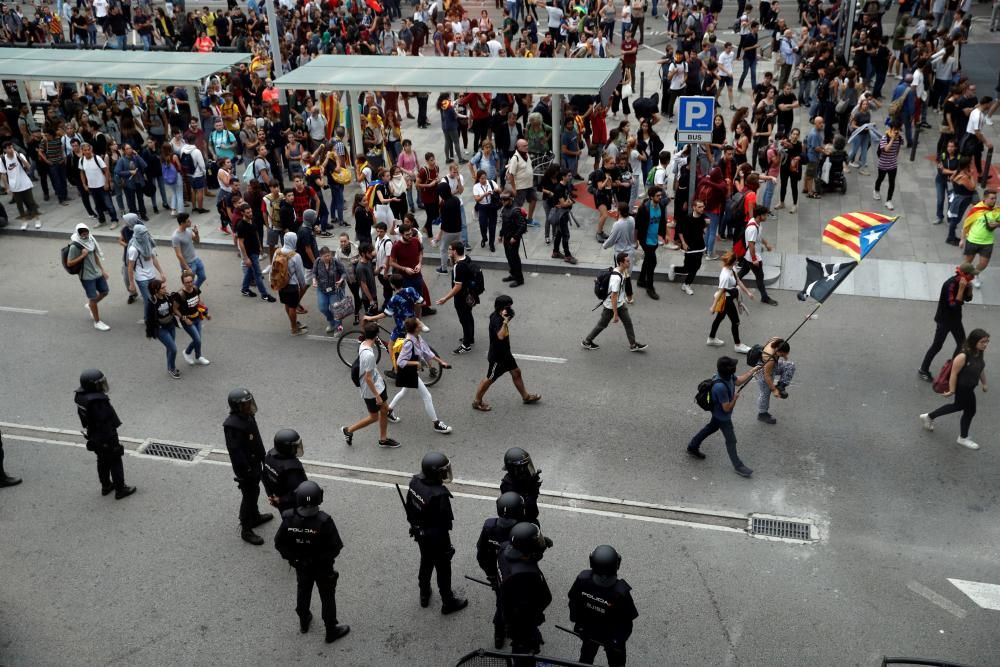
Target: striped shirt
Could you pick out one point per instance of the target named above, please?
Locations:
(888, 158)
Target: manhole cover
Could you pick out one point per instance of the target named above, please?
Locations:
(167, 451)
(781, 528)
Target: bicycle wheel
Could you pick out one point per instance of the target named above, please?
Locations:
(430, 372)
(347, 346)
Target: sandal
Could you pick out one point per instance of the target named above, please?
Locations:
(813, 195)
(301, 311)
(532, 398)
(482, 407)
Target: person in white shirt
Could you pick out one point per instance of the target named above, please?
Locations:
(974, 140)
(97, 183)
(316, 124)
(143, 265)
(615, 307)
(197, 177)
(753, 260)
(726, 59)
(14, 169)
(675, 83)
(383, 248)
(456, 182)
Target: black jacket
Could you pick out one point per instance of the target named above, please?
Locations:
(602, 612)
(98, 418)
(246, 451)
(282, 475)
(308, 541)
(428, 508)
(642, 220)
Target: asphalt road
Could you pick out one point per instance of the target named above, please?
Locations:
(898, 510)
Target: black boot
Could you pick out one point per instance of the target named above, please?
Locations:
(766, 418)
(336, 632)
(425, 597)
(107, 488)
(453, 603)
(304, 622)
(781, 389)
(251, 537)
(262, 518)
(124, 492)
(7, 480)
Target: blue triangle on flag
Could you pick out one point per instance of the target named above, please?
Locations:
(871, 236)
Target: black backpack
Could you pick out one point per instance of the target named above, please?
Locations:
(187, 163)
(75, 269)
(477, 285)
(734, 216)
(602, 283)
(704, 396)
(356, 372)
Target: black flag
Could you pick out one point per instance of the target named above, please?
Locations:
(823, 279)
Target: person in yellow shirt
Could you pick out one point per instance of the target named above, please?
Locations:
(231, 113)
(977, 233)
(207, 19)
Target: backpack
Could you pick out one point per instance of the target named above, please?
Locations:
(76, 268)
(739, 239)
(733, 214)
(478, 283)
(279, 271)
(703, 399)
(651, 176)
(602, 283)
(356, 372)
(169, 173)
(187, 163)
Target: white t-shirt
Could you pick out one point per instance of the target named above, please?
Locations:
(93, 169)
(727, 278)
(726, 63)
(17, 177)
(660, 176)
(677, 73)
(453, 183)
(144, 268)
(495, 48)
(480, 189)
(627, 15)
(100, 8)
(752, 235)
(555, 16)
(367, 363)
(975, 121)
(615, 286)
(383, 247)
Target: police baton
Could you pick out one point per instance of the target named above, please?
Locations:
(581, 637)
(479, 581)
(402, 500)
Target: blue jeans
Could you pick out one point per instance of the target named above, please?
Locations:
(103, 204)
(337, 202)
(727, 432)
(166, 336)
(325, 303)
(57, 174)
(465, 230)
(143, 286)
(859, 148)
(198, 268)
(956, 211)
(147, 42)
(117, 42)
(252, 273)
(713, 229)
(194, 331)
(768, 193)
(749, 66)
(941, 183)
(569, 163)
(175, 195)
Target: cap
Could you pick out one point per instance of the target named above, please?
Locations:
(968, 269)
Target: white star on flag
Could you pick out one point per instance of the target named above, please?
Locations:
(872, 237)
(832, 277)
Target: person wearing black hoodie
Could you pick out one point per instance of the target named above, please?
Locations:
(651, 232)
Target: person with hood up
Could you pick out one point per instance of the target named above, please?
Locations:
(290, 294)
(84, 249)
(125, 236)
(143, 265)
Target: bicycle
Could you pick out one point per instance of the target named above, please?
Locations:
(350, 340)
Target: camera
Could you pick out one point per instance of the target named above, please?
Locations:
(510, 312)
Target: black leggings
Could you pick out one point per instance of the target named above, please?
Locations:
(965, 402)
(732, 313)
(892, 181)
(786, 178)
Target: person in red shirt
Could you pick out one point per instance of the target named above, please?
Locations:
(427, 180)
(303, 197)
(478, 105)
(630, 49)
(598, 132)
(406, 259)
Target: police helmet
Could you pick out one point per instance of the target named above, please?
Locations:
(93, 380)
(510, 505)
(308, 498)
(242, 401)
(518, 463)
(604, 563)
(528, 539)
(288, 442)
(436, 467)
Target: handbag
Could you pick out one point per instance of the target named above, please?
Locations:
(343, 307)
(943, 379)
(627, 91)
(719, 305)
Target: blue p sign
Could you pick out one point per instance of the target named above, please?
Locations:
(696, 114)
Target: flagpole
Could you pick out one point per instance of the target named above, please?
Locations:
(808, 317)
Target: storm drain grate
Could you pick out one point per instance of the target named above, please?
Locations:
(788, 530)
(175, 452)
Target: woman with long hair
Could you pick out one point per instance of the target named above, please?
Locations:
(224, 198)
(726, 303)
(968, 369)
(191, 311)
(408, 361)
(161, 323)
(398, 186)
(791, 169)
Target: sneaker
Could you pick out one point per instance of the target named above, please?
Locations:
(24, 226)
(101, 326)
(671, 273)
(977, 283)
(249, 293)
(548, 240)
(712, 258)
(589, 345)
(695, 453)
(927, 421)
(673, 246)
(637, 347)
(715, 342)
(569, 259)
(875, 195)
(742, 348)
(38, 224)
(687, 289)
(441, 427)
(854, 165)
(175, 374)
(389, 443)
(462, 349)
(864, 172)
(393, 417)
(966, 442)
(330, 328)
(266, 270)
(766, 418)
(557, 255)
(744, 471)
(924, 375)
(202, 361)
(188, 358)
(793, 209)
(348, 436)
(441, 269)
(424, 328)
(300, 331)
(268, 298)
(769, 301)
(888, 205)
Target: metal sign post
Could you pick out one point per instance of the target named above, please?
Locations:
(696, 115)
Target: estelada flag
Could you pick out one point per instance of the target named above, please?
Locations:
(856, 233)
(823, 279)
(974, 214)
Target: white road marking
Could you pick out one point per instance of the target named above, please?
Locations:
(26, 311)
(330, 339)
(532, 357)
(939, 600)
(986, 596)
(662, 53)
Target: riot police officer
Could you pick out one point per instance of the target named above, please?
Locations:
(246, 453)
(601, 608)
(524, 593)
(523, 479)
(496, 532)
(428, 509)
(282, 469)
(308, 539)
(5, 479)
(100, 426)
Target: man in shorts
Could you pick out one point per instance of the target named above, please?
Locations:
(521, 178)
(84, 248)
(373, 392)
(977, 238)
(500, 358)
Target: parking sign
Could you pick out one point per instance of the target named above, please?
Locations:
(696, 114)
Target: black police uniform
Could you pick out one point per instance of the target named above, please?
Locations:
(511, 224)
(428, 509)
(524, 595)
(496, 532)
(602, 614)
(246, 453)
(5, 479)
(282, 475)
(311, 544)
(101, 422)
(528, 489)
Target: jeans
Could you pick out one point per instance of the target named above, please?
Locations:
(57, 174)
(728, 433)
(325, 301)
(941, 185)
(488, 225)
(143, 287)
(452, 148)
(768, 193)
(336, 202)
(560, 224)
(749, 66)
(116, 42)
(956, 211)
(198, 269)
(252, 273)
(175, 195)
(784, 371)
(941, 332)
(85, 198)
(713, 229)
(166, 336)
(446, 239)
(194, 331)
(965, 402)
(606, 316)
(859, 149)
(158, 184)
(569, 163)
(103, 204)
(135, 202)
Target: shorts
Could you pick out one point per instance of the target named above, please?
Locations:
(309, 275)
(95, 286)
(274, 237)
(289, 296)
(525, 194)
(556, 36)
(372, 405)
(197, 182)
(726, 81)
(499, 367)
(971, 249)
(602, 199)
(811, 170)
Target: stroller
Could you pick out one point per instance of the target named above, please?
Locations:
(830, 173)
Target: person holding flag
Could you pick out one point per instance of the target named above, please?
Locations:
(977, 233)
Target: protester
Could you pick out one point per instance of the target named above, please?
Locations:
(373, 393)
(412, 354)
(615, 308)
(501, 359)
(968, 369)
(723, 401)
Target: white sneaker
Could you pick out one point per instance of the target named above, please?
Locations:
(715, 342)
(673, 246)
(854, 165)
(742, 348)
(38, 224)
(989, 121)
(330, 328)
(101, 326)
(875, 195)
(927, 421)
(966, 442)
(888, 205)
(977, 283)
(424, 328)
(24, 226)
(687, 289)
(188, 358)
(266, 270)
(793, 209)
(202, 361)
(671, 273)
